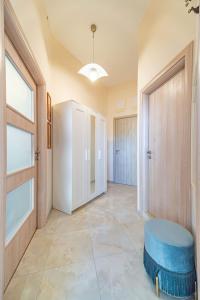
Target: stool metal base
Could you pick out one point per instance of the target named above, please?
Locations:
(157, 287)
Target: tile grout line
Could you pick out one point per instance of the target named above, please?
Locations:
(96, 269)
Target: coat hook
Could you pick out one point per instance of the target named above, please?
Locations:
(194, 9)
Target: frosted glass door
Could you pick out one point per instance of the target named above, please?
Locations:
(20, 149)
(19, 204)
(21, 165)
(19, 94)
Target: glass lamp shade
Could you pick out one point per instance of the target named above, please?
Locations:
(93, 71)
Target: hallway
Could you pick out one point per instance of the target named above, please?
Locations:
(95, 254)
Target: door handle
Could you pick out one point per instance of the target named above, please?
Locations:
(117, 150)
(149, 153)
(37, 155)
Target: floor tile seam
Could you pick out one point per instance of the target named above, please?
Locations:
(114, 254)
(52, 268)
(57, 234)
(97, 277)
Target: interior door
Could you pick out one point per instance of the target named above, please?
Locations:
(125, 150)
(169, 151)
(21, 201)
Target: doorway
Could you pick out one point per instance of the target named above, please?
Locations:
(165, 142)
(125, 150)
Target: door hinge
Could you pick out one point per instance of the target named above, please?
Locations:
(37, 155)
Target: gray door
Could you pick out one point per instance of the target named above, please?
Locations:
(125, 150)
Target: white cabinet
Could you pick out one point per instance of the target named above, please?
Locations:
(79, 155)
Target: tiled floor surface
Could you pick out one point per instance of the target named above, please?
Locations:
(95, 254)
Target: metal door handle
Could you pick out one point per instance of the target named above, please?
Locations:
(149, 153)
(117, 150)
(37, 155)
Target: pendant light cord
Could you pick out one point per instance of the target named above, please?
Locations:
(93, 47)
(93, 29)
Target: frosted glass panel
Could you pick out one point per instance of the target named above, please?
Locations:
(19, 149)
(18, 94)
(19, 204)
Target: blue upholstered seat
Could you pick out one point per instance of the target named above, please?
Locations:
(170, 245)
(169, 254)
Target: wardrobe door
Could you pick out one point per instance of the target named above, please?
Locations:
(79, 163)
(101, 155)
(92, 157)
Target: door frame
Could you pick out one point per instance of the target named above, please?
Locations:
(9, 25)
(182, 60)
(114, 139)
(197, 156)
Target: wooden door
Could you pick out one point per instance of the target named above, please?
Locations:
(170, 154)
(125, 151)
(21, 200)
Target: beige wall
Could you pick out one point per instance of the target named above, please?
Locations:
(121, 101)
(59, 67)
(166, 29)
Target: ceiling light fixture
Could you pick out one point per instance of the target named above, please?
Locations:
(93, 71)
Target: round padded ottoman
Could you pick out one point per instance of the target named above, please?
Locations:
(169, 256)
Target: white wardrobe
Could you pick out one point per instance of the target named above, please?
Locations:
(79, 155)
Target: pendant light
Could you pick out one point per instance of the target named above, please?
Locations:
(93, 71)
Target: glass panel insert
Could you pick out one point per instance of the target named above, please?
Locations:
(18, 93)
(19, 204)
(19, 149)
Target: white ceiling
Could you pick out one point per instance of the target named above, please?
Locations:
(116, 37)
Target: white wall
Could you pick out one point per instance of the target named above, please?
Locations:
(121, 101)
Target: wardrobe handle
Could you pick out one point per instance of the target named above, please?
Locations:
(99, 154)
(86, 155)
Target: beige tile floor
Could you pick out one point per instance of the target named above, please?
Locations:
(95, 254)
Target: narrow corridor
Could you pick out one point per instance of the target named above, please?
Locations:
(95, 254)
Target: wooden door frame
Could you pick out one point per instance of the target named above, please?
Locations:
(10, 26)
(2, 149)
(182, 60)
(197, 157)
(114, 138)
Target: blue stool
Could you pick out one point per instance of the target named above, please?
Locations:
(169, 258)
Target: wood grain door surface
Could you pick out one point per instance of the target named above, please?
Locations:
(169, 143)
(21, 201)
(125, 150)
